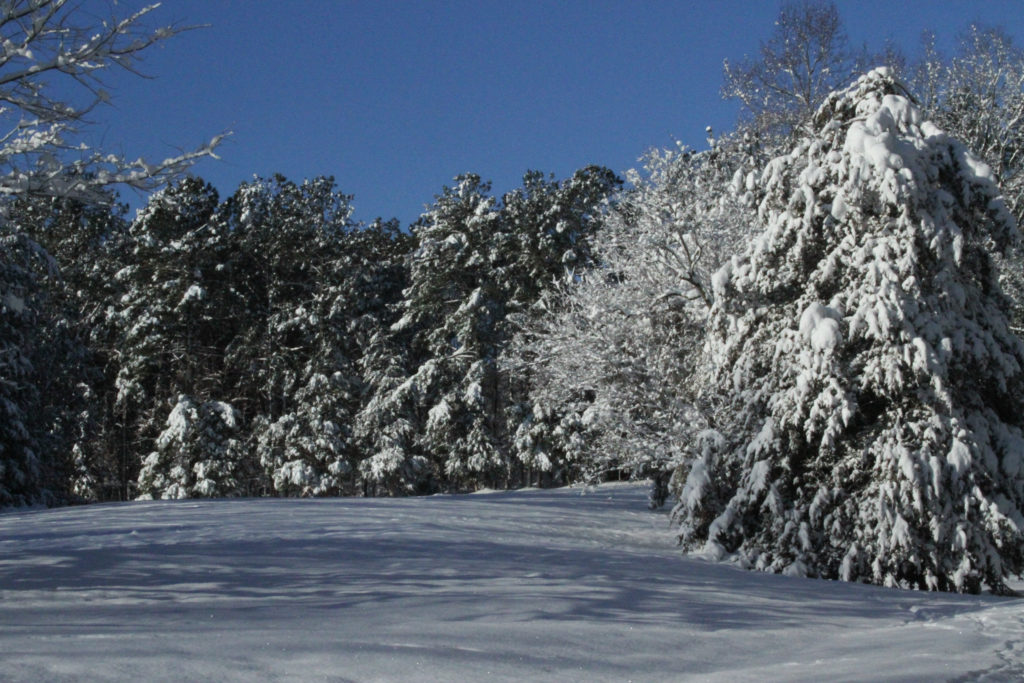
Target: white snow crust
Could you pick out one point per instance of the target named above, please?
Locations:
(553, 585)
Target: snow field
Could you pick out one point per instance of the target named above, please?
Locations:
(557, 585)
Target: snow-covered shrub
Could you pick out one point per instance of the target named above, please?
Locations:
(869, 389)
(305, 451)
(197, 454)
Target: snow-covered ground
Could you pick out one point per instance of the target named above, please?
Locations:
(554, 585)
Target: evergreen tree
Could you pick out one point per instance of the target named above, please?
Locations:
(53, 58)
(449, 312)
(167, 330)
(868, 387)
(384, 426)
(443, 421)
(197, 454)
(553, 225)
(73, 385)
(23, 475)
(316, 284)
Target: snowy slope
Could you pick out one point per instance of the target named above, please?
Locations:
(560, 585)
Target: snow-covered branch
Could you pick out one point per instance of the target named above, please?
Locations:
(53, 59)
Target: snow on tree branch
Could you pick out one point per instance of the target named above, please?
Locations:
(53, 59)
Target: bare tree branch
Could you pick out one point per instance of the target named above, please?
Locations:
(807, 56)
(54, 46)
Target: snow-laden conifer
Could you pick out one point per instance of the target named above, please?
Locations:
(436, 415)
(870, 391)
(197, 454)
(317, 284)
(76, 280)
(168, 308)
(20, 467)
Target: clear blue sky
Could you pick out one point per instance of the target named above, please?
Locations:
(396, 98)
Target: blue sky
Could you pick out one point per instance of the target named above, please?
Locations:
(396, 98)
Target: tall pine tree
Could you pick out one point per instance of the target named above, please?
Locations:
(869, 390)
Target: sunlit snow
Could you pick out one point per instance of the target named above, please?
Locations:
(554, 585)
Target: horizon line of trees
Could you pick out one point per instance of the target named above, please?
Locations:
(267, 344)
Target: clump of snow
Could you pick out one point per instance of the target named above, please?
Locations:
(14, 303)
(819, 324)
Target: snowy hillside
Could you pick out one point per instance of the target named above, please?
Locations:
(563, 585)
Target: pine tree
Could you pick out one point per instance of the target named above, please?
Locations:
(22, 472)
(167, 331)
(449, 313)
(72, 384)
(53, 59)
(384, 427)
(477, 261)
(315, 283)
(869, 390)
(197, 455)
(553, 226)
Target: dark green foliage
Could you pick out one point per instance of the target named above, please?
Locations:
(438, 416)
(23, 476)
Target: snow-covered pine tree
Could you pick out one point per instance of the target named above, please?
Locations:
(22, 476)
(553, 226)
(197, 455)
(47, 373)
(302, 274)
(378, 276)
(449, 314)
(305, 451)
(476, 262)
(53, 59)
(385, 426)
(81, 239)
(167, 332)
(871, 394)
